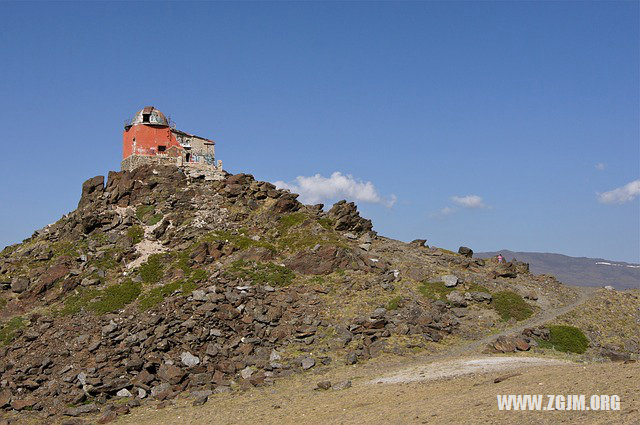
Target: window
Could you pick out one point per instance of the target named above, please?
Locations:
(162, 148)
(145, 117)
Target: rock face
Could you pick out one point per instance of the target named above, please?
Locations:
(346, 218)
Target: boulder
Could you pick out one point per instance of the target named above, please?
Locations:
(345, 217)
(19, 284)
(467, 252)
(456, 299)
(419, 243)
(449, 280)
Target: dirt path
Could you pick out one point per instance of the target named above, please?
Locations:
(540, 319)
(465, 366)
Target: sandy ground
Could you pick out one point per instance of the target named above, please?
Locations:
(460, 391)
(460, 367)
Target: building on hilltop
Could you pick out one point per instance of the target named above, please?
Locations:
(149, 138)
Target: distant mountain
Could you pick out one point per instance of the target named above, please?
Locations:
(580, 271)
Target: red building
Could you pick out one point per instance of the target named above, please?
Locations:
(150, 138)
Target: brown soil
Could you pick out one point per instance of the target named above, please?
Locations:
(468, 399)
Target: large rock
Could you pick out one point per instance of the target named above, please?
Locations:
(450, 280)
(92, 190)
(456, 298)
(171, 374)
(328, 259)
(467, 252)
(345, 217)
(19, 284)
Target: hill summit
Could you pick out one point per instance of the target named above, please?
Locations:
(166, 280)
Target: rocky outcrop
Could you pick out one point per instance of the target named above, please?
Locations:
(345, 217)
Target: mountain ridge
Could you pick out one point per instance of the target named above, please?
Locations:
(579, 271)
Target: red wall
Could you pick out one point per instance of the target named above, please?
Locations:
(148, 138)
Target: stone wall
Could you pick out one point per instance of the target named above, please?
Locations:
(134, 161)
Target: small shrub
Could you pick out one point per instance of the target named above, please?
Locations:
(143, 210)
(327, 223)
(182, 262)
(154, 219)
(198, 275)
(65, 248)
(291, 220)
(75, 303)
(115, 297)
(568, 339)
(136, 234)
(8, 330)
(268, 273)
(107, 261)
(395, 303)
(435, 290)
(156, 295)
(509, 305)
(153, 269)
(240, 241)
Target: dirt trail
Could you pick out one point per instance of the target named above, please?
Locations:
(537, 320)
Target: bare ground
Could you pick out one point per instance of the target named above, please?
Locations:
(468, 399)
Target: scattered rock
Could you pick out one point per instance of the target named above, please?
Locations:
(124, 393)
(343, 385)
(323, 385)
(449, 280)
(189, 359)
(308, 363)
(82, 410)
(457, 299)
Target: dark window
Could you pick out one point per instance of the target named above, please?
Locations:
(162, 148)
(188, 157)
(145, 117)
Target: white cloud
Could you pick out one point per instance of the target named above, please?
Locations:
(469, 201)
(622, 194)
(600, 166)
(317, 188)
(444, 212)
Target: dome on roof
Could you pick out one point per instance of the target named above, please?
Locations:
(150, 115)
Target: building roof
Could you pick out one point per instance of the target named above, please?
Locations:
(150, 115)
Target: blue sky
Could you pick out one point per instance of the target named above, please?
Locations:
(491, 125)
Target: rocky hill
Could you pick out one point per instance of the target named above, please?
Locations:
(579, 271)
(164, 282)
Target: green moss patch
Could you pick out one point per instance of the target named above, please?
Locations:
(66, 248)
(435, 290)
(115, 297)
(112, 298)
(568, 339)
(154, 219)
(156, 295)
(291, 220)
(327, 223)
(152, 271)
(240, 240)
(136, 234)
(395, 303)
(509, 305)
(143, 211)
(267, 273)
(9, 329)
